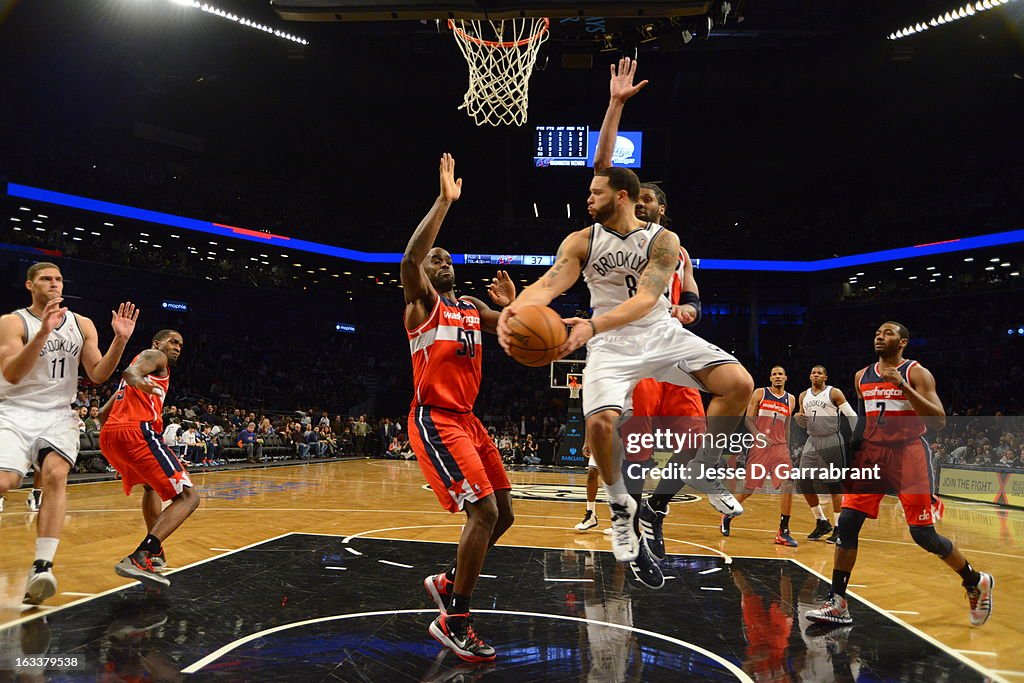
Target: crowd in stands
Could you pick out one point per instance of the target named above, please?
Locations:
(992, 442)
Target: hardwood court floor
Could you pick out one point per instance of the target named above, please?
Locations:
(385, 499)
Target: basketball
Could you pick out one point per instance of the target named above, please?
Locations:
(537, 332)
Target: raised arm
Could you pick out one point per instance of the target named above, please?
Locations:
(18, 355)
(664, 257)
(621, 89)
(419, 293)
(502, 292)
(99, 367)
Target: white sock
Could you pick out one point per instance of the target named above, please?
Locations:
(590, 505)
(617, 491)
(836, 515)
(819, 514)
(46, 548)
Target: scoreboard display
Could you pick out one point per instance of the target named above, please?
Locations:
(510, 259)
(561, 146)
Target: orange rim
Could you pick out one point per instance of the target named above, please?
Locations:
(497, 43)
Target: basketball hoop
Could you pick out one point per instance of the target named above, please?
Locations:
(574, 388)
(500, 56)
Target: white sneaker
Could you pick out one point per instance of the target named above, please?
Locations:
(41, 583)
(980, 598)
(834, 610)
(1, 503)
(625, 544)
(607, 532)
(34, 500)
(725, 503)
(589, 521)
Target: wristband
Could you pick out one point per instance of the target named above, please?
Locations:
(691, 299)
(593, 328)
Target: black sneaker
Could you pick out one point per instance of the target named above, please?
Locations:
(725, 526)
(139, 567)
(651, 522)
(821, 529)
(41, 584)
(589, 521)
(834, 537)
(455, 632)
(645, 569)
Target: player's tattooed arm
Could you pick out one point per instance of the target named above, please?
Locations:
(419, 293)
(562, 275)
(148, 362)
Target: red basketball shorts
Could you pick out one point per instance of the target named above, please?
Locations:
(905, 470)
(139, 454)
(457, 456)
(763, 463)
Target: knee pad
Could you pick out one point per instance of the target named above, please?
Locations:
(850, 522)
(927, 538)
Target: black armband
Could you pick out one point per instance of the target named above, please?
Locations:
(691, 299)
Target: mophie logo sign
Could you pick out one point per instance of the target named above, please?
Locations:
(569, 493)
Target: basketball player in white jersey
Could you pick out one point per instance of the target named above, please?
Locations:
(819, 411)
(627, 264)
(41, 348)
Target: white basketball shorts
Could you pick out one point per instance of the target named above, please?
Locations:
(666, 351)
(25, 432)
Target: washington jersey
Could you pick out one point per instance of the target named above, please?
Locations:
(613, 268)
(889, 416)
(772, 412)
(53, 380)
(133, 405)
(822, 414)
(446, 353)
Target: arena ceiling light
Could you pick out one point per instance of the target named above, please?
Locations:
(241, 21)
(968, 10)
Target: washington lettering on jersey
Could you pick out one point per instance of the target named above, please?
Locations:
(446, 357)
(890, 417)
(52, 382)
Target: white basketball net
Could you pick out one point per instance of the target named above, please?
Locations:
(500, 55)
(574, 390)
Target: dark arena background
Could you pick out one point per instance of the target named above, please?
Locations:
(250, 172)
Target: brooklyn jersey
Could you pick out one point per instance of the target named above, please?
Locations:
(446, 352)
(772, 412)
(132, 406)
(613, 268)
(53, 381)
(889, 416)
(822, 414)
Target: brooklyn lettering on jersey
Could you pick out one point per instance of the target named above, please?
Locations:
(619, 259)
(60, 346)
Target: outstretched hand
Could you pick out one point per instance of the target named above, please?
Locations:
(621, 86)
(451, 189)
(502, 290)
(123, 320)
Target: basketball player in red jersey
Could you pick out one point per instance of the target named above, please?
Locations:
(898, 402)
(457, 456)
(130, 440)
(768, 416)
